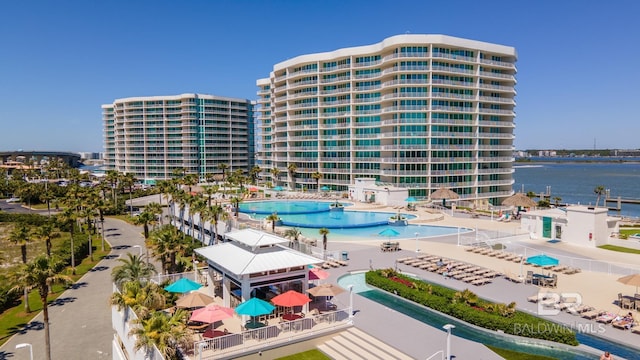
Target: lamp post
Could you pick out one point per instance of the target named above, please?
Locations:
(448, 327)
(24, 345)
(417, 248)
(350, 302)
(139, 249)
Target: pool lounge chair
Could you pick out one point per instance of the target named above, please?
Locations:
(623, 324)
(636, 329)
(606, 317)
(592, 314)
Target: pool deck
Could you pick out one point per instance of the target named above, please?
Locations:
(420, 340)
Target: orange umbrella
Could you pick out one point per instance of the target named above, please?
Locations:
(291, 298)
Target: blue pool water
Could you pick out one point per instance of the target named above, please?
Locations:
(310, 216)
(488, 338)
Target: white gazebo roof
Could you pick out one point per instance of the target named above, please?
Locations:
(254, 238)
(240, 260)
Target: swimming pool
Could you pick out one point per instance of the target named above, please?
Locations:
(487, 337)
(310, 216)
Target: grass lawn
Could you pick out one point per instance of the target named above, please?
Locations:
(619, 249)
(514, 355)
(314, 354)
(14, 319)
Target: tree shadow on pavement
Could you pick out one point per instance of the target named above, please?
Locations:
(99, 268)
(120, 247)
(112, 235)
(62, 301)
(5, 355)
(78, 285)
(24, 328)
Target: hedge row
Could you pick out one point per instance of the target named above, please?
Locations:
(441, 299)
(28, 219)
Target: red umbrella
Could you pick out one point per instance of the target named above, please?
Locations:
(253, 189)
(291, 298)
(318, 274)
(211, 314)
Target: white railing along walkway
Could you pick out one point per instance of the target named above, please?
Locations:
(284, 332)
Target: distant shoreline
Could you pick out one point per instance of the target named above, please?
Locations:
(581, 160)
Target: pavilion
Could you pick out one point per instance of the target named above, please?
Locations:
(253, 263)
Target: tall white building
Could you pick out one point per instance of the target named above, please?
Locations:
(415, 111)
(152, 137)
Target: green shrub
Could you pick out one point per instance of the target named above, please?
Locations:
(481, 314)
(27, 219)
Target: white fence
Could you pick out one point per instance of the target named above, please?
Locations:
(509, 244)
(231, 345)
(122, 322)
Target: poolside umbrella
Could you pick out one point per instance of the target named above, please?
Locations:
(325, 188)
(633, 279)
(183, 285)
(318, 274)
(211, 313)
(411, 199)
(388, 232)
(519, 200)
(444, 194)
(253, 189)
(326, 290)
(194, 299)
(278, 188)
(542, 260)
(291, 298)
(254, 307)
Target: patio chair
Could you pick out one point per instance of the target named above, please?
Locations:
(625, 302)
(529, 278)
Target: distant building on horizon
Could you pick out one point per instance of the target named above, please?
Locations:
(415, 111)
(153, 136)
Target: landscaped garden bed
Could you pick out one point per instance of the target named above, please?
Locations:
(468, 307)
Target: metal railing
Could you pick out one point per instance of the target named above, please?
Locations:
(281, 333)
(441, 352)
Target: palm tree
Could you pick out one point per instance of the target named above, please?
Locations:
(599, 191)
(46, 232)
(324, 232)
(236, 204)
(292, 168)
(167, 333)
(274, 219)
(128, 180)
(40, 274)
(294, 234)
(133, 268)
(167, 243)
(20, 235)
(210, 191)
(317, 176)
(253, 174)
(145, 219)
(113, 177)
(216, 213)
(275, 172)
(557, 200)
(198, 207)
(223, 168)
(142, 298)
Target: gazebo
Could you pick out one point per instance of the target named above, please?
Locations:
(253, 260)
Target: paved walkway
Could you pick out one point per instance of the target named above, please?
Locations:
(80, 319)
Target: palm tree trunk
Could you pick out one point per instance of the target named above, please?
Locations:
(73, 255)
(48, 247)
(45, 314)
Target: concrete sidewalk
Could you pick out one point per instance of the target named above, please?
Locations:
(80, 319)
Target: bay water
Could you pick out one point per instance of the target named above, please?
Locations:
(575, 181)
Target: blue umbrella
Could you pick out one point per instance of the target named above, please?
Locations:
(388, 232)
(411, 199)
(542, 260)
(182, 286)
(325, 188)
(278, 188)
(254, 307)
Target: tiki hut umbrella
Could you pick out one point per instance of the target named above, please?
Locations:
(444, 194)
(519, 200)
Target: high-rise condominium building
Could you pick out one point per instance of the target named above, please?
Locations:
(415, 111)
(152, 137)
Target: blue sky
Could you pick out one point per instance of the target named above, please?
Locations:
(578, 80)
